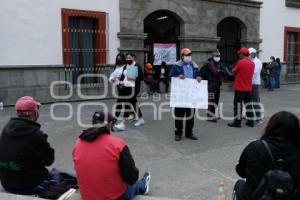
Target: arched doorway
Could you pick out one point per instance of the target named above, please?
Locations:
(162, 43)
(231, 31)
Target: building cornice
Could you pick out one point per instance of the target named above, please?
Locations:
(198, 39)
(248, 3)
(132, 36)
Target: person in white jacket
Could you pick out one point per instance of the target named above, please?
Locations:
(256, 82)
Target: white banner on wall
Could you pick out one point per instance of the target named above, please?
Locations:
(164, 52)
(189, 93)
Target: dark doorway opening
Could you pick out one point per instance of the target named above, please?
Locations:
(231, 31)
(162, 27)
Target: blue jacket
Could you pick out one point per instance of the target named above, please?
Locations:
(177, 69)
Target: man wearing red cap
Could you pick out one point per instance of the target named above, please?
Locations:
(185, 68)
(25, 153)
(243, 72)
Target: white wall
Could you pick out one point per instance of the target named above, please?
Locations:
(274, 17)
(30, 30)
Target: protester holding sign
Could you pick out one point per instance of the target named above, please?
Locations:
(185, 68)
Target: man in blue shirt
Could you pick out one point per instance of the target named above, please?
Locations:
(185, 68)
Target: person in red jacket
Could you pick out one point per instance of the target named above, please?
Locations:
(243, 72)
(104, 165)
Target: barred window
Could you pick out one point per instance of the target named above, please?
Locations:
(292, 46)
(84, 42)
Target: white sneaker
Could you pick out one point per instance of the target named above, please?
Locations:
(140, 122)
(147, 179)
(120, 126)
(131, 117)
(67, 195)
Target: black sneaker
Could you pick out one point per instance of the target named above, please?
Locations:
(250, 124)
(235, 125)
(177, 138)
(191, 137)
(212, 120)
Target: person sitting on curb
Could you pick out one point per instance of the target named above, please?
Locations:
(278, 148)
(149, 79)
(25, 153)
(104, 165)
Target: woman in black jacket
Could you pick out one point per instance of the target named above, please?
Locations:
(282, 134)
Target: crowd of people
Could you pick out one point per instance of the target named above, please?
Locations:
(25, 152)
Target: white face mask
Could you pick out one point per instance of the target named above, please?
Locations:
(217, 59)
(187, 59)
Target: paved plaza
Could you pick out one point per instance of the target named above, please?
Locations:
(184, 170)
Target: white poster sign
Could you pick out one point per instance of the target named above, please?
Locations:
(189, 93)
(164, 52)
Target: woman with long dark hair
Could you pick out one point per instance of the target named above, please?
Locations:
(282, 135)
(124, 90)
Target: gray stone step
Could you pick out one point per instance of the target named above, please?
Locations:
(8, 196)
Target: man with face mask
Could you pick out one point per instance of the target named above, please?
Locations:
(213, 72)
(25, 153)
(185, 68)
(243, 72)
(256, 81)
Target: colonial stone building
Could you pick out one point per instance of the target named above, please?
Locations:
(201, 25)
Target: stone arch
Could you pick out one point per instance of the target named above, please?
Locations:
(161, 26)
(232, 32)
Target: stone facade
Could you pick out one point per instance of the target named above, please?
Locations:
(198, 23)
(36, 81)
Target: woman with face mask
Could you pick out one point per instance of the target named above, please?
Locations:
(117, 78)
(133, 75)
(214, 72)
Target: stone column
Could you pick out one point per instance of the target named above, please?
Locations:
(202, 47)
(133, 42)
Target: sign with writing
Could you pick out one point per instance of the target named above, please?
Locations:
(189, 93)
(164, 52)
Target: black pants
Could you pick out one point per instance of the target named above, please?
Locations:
(136, 108)
(241, 97)
(213, 100)
(181, 115)
(125, 101)
(153, 85)
(166, 82)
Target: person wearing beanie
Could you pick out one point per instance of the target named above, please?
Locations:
(214, 72)
(104, 165)
(243, 72)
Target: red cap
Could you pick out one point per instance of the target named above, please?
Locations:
(244, 51)
(26, 103)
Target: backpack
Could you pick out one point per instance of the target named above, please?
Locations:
(204, 71)
(276, 184)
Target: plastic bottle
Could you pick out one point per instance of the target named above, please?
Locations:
(221, 191)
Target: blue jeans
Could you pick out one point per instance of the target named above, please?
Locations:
(132, 190)
(277, 80)
(271, 82)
